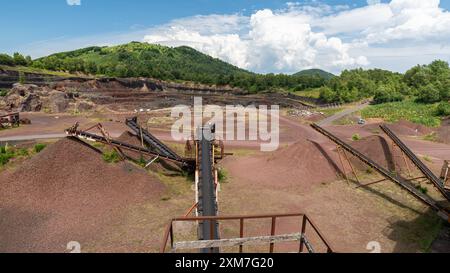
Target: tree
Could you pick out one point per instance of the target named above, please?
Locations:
(386, 93)
(429, 94)
(327, 94)
(19, 59)
(29, 60)
(5, 59)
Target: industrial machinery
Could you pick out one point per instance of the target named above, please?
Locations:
(402, 182)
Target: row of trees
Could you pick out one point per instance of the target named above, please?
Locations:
(427, 83)
(16, 59)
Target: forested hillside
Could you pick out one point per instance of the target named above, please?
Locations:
(165, 63)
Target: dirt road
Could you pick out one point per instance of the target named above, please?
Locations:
(331, 119)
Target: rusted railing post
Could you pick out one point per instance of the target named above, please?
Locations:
(272, 232)
(241, 234)
(302, 244)
(171, 235)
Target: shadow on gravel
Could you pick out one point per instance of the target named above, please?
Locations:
(420, 234)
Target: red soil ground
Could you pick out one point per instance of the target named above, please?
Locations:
(301, 178)
(67, 193)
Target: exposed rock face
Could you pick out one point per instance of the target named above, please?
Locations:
(83, 106)
(24, 98)
(32, 98)
(31, 103)
(58, 101)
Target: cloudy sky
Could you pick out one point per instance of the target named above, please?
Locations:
(261, 36)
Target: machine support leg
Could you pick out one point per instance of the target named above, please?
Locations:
(342, 164)
(351, 166)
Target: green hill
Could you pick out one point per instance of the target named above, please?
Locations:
(142, 60)
(166, 63)
(314, 72)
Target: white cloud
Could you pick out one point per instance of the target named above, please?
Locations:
(413, 20)
(266, 41)
(74, 2)
(373, 2)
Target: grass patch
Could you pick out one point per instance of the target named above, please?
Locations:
(25, 69)
(431, 137)
(39, 147)
(422, 189)
(426, 230)
(344, 121)
(313, 93)
(111, 156)
(8, 153)
(425, 114)
(427, 158)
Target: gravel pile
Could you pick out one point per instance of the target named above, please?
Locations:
(67, 193)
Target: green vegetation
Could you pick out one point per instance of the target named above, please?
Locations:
(311, 93)
(356, 137)
(175, 64)
(330, 111)
(315, 72)
(410, 110)
(30, 69)
(7, 153)
(443, 109)
(431, 137)
(111, 156)
(222, 175)
(16, 59)
(354, 85)
(427, 158)
(422, 189)
(425, 83)
(3, 92)
(39, 147)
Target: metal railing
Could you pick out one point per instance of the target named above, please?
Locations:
(241, 241)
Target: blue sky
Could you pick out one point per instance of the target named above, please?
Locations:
(247, 33)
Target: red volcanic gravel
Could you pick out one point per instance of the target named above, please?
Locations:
(67, 193)
(378, 149)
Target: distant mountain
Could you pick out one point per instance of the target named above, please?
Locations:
(311, 72)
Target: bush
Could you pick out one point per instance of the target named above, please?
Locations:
(429, 94)
(6, 59)
(3, 93)
(39, 147)
(222, 175)
(443, 109)
(356, 137)
(385, 94)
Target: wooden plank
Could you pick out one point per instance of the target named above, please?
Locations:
(238, 241)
